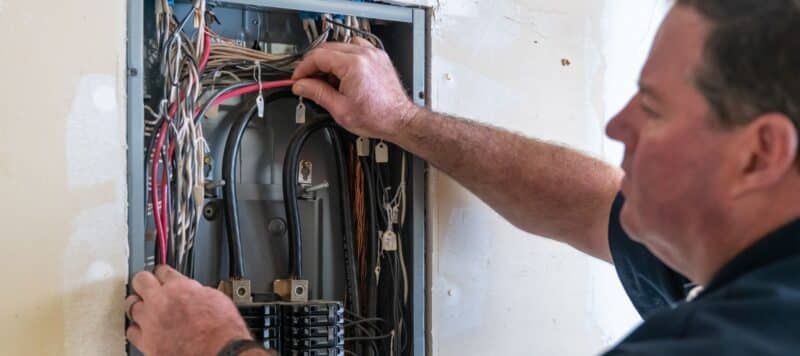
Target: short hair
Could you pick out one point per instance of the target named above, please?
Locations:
(751, 59)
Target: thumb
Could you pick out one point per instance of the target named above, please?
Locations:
(321, 93)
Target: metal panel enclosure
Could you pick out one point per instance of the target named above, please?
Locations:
(275, 22)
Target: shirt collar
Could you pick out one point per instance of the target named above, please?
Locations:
(780, 244)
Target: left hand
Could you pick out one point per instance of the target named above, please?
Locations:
(174, 315)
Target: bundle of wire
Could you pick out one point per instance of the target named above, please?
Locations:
(386, 205)
(177, 148)
(201, 69)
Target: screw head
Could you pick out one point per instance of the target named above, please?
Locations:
(210, 211)
(276, 226)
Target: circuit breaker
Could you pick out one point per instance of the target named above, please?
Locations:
(317, 235)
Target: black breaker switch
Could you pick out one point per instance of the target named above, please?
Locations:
(313, 328)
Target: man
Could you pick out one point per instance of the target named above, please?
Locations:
(706, 238)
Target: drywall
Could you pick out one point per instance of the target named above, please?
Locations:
(551, 69)
(555, 70)
(62, 177)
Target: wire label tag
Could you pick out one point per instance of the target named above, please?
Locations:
(389, 241)
(300, 113)
(260, 106)
(362, 146)
(382, 153)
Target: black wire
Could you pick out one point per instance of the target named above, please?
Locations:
(372, 231)
(371, 343)
(362, 321)
(168, 44)
(357, 338)
(291, 166)
(232, 147)
(220, 93)
(351, 277)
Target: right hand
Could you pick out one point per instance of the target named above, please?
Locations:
(369, 100)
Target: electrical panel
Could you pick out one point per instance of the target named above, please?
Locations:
(317, 235)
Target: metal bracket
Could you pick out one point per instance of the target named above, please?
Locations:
(238, 289)
(291, 290)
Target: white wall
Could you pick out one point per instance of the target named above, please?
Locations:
(62, 177)
(495, 289)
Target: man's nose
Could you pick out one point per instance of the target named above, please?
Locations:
(620, 128)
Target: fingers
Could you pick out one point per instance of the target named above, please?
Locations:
(131, 305)
(362, 42)
(342, 47)
(134, 335)
(321, 93)
(166, 274)
(145, 284)
(323, 60)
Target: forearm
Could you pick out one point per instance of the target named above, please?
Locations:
(545, 189)
(542, 188)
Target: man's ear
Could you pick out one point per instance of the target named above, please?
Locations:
(768, 152)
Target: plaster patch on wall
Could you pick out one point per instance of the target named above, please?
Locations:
(467, 240)
(94, 138)
(104, 98)
(95, 258)
(95, 272)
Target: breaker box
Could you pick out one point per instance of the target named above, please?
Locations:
(224, 185)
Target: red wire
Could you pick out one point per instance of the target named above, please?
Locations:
(252, 89)
(154, 194)
(161, 216)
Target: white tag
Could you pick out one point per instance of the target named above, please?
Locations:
(362, 146)
(260, 106)
(300, 113)
(395, 215)
(389, 241)
(381, 153)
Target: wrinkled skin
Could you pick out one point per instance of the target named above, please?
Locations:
(174, 315)
(369, 101)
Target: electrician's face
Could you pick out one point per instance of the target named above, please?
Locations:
(674, 155)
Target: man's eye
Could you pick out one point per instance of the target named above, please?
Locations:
(650, 112)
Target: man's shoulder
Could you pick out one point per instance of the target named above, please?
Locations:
(757, 314)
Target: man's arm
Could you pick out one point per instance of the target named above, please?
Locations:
(545, 189)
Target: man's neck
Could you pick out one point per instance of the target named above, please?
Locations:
(743, 230)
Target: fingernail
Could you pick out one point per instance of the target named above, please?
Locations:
(297, 88)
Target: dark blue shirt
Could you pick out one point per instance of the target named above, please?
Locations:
(751, 307)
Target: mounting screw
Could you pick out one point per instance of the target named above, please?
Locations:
(421, 95)
(210, 211)
(133, 72)
(241, 291)
(299, 290)
(276, 226)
